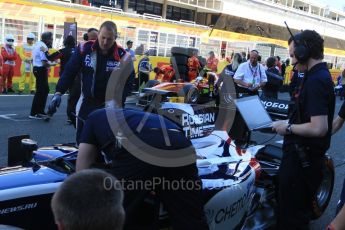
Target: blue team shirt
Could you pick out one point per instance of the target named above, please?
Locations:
(83, 61)
(97, 130)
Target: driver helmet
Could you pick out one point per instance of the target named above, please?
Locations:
(31, 36)
(9, 39)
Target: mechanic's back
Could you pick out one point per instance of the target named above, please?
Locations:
(146, 137)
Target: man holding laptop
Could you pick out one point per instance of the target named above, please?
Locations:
(307, 134)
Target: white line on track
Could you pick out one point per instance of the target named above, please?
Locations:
(9, 117)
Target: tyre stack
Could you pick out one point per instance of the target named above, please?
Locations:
(181, 55)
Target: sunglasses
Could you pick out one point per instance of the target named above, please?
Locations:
(10, 40)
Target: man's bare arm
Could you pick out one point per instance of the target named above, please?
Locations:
(337, 124)
(86, 156)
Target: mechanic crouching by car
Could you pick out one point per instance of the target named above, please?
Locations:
(165, 73)
(95, 60)
(132, 151)
(307, 134)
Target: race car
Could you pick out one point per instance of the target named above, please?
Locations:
(172, 82)
(238, 183)
(200, 90)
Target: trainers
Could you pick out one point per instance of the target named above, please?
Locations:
(38, 116)
(32, 92)
(20, 92)
(4, 91)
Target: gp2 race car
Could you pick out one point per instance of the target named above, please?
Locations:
(173, 84)
(199, 90)
(238, 182)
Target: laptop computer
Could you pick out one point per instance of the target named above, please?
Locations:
(254, 113)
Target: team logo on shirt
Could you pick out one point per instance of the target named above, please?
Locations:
(88, 61)
(112, 65)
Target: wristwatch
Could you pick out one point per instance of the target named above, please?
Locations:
(288, 129)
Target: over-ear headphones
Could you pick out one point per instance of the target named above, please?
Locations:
(302, 51)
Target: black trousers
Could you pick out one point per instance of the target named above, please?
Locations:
(42, 90)
(183, 202)
(143, 78)
(91, 104)
(296, 188)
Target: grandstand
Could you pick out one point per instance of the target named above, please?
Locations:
(223, 26)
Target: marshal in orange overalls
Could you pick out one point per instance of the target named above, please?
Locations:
(193, 67)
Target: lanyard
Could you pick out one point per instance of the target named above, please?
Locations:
(253, 72)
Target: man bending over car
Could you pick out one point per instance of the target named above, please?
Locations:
(145, 132)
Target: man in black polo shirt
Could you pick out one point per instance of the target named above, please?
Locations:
(307, 134)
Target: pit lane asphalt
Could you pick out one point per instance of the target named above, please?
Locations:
(15, 109)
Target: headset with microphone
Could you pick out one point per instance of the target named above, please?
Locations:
(302, 51)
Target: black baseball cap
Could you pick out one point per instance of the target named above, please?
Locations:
(129, 42)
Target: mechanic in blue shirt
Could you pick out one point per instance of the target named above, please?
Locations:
(133, 141)
(95, 61)
(307, 134)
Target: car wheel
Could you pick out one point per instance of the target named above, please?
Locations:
(324, 192)
(190, 93)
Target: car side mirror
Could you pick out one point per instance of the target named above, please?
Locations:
(28, 147)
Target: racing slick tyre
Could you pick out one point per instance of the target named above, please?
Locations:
(324, 192)
(183, 71)
(151, 83)
(180, 56)
(190, 93)
(183, 51)
(179, 51)
(181, 60)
